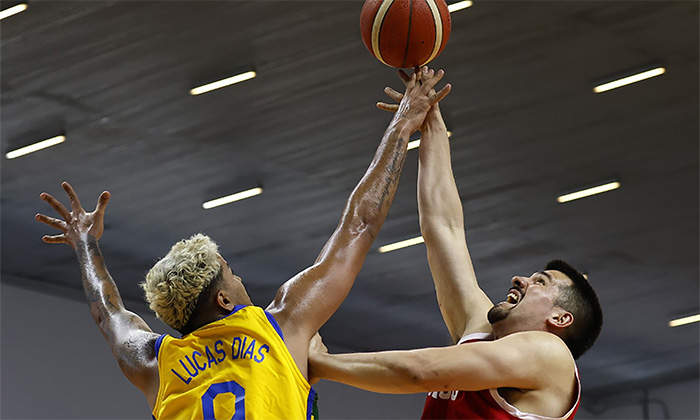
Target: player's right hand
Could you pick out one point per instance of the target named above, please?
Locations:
(76, 223)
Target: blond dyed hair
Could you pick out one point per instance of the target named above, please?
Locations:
(175, 282)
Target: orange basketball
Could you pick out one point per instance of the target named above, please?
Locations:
(405, 33)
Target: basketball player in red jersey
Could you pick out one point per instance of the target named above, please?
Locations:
(512, 360)
(202, 295)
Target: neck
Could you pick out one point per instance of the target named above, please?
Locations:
(214, 311)
(204, 318)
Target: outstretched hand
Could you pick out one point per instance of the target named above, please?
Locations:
(419, 97)
(76, 223)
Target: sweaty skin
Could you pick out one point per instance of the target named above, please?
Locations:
(527, 362)
(303, 303)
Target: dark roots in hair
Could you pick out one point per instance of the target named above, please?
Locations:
(205, 296)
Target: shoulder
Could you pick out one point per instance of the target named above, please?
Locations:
(539, 342)
(527, 361)
(143, 343)
(547, 354)
(528, 344)
(532, 351)
(282, 308)
(544, 341)
(137, 358)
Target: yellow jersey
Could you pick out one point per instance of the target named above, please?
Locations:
(235, 368)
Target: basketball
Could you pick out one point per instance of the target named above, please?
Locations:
(405, 33)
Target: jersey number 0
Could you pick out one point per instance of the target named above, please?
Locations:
(224, 388)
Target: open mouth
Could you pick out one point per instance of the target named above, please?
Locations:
(513, 297)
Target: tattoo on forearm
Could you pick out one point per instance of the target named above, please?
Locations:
(101, 292)
(394, 169)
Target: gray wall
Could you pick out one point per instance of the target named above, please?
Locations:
(56, 365)
(679, 400)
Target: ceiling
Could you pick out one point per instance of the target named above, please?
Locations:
(114, 77)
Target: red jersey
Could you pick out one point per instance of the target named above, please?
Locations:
(485, 404)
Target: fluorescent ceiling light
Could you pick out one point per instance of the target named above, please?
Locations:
(231, 198)
(13, 10)
(588, 192)
(223, 83)
(459, 6)
(413, 144)
(629, 79)
(683, 321)
(416, 143)
(401, 244)
(36, 146)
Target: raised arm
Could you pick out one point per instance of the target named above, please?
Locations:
(131, 340)
(305, 302)
(463, 304)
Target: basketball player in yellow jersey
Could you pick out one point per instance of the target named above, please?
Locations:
(235, 360)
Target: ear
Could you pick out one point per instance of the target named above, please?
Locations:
(223, 300)
(562, 319)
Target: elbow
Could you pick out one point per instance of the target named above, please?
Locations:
(367, 208)
(428, 221)
(430, 230)
(370, 228)
(363, 223)
(434, 229)
(103, 321)
(98, 316)
(427, 228)
(426, 381)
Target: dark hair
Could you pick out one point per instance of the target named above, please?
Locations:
(581, 300)
(202, 299)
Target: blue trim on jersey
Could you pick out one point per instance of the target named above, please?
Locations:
(310, 403)
(235, 309)
(274, 323)
(159, 341)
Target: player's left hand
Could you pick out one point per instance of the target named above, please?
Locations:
(77, 223)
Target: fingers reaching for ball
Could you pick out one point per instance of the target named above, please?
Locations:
(436, 97)
(418, 98)
(424, 77)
